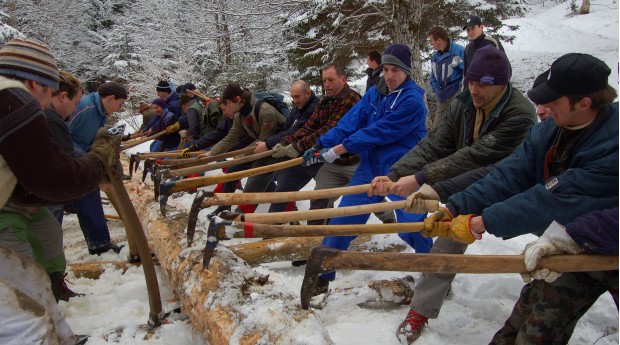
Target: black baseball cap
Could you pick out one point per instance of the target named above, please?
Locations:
(571, 74)
(472, 21)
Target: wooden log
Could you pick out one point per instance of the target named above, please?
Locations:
(93, 270)
(218, 300)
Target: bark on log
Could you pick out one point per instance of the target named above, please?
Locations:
(226, 303)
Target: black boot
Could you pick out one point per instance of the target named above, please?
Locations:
(60, 289)
(106, 248)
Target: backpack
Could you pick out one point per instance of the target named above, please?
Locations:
(274, 99)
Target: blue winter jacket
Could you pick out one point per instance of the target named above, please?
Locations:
(167, 118)
(382, 126)
(515, 199)
(446, 80)
(87, 119)
(173, 103)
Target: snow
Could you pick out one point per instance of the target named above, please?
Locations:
(115, 307)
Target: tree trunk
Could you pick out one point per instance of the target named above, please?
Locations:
(406, 29)
(585, 7)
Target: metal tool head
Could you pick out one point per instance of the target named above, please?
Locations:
(133, 164)
(213, 238)
(148, 167)
(229, 215)
(193, 216)
(164, 193)
(314, 268)
(157, 177)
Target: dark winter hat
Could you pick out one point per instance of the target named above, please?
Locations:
(541, 78)
(571, 74)
(472, 21)
(164, 86)
(112, 88)
(160, 102)
(185, 98)
(398, 55)
(187, 86)
(233, 90)
(29, 59)
(489, 66)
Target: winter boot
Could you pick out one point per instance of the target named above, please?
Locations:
(106, 248)
(298, 263)
(59, 287)
(411, 328)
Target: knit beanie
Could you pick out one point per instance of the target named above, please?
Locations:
(489, 66)
(164, 86)
(29, 59)
(187, 86)
(398, 55)
(160, 102)
(112, 88)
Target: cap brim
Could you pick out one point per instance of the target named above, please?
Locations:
(543, 94)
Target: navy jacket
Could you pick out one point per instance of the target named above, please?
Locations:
(295, 121)
(515, 199)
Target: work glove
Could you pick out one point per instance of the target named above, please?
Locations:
(173, 128)
(311, 156)
(106, 148)
(285, 151)
(185, 152)
(442, 224)
(328, 155)
(416, 201)
(183, 133)
(555, 240)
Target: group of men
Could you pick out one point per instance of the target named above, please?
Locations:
(29, 233)
(487, 159)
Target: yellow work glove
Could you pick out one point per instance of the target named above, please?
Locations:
(442, 224)
(185, 153)
(173, 128)
(416, 201)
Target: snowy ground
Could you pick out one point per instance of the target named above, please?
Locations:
(115, 306)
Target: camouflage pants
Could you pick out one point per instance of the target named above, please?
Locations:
(546, 313)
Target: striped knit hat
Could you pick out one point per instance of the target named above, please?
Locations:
(29, 59)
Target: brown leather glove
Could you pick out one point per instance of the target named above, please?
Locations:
(106, 148)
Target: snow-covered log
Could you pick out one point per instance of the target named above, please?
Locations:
(230, 303)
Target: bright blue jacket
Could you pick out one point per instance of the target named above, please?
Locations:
(447, 71)
(87, 119)
(382, 126)
(515, 199)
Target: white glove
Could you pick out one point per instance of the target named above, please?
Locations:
(555, 240)
(329, 156)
